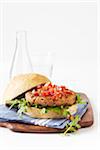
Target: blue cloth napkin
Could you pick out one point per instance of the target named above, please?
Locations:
(12, 116)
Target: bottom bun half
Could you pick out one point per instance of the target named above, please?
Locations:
(37, 113)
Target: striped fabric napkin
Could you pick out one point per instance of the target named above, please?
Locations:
(12, 116)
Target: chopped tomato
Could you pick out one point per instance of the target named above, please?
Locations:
(36, 94)
(45, 93)
(53, 97)
(52, 90)
(50, 85)
(68, 92)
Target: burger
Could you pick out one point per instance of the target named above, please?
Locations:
(36, 96)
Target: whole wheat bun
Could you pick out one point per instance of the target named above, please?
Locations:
(21, 84)
(36, 113)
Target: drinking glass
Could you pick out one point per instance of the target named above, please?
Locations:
(42, 63)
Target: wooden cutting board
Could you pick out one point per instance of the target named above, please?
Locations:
(86, 121)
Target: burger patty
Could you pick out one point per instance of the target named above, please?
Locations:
(51, 95)
(48, 101)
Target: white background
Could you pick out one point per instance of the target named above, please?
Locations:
(70, 30)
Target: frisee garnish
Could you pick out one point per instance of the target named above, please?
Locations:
(73, 125)
(14, 103)
(66, 112)
(79, 99)
(21, 105)
(43, 111)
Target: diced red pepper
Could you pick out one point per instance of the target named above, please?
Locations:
(50, 84)
(45, 93)
(53, 97)
(63, 87)
(68, 92)
(36, 94)
(54, 86)
(51, 90)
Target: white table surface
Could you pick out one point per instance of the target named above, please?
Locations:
(85, 139)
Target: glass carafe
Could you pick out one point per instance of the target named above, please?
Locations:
(21, 62)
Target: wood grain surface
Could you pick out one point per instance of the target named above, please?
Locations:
(86, 121)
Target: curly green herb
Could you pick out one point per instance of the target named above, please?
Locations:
(73, 125)
(21, 104)
(79, 99)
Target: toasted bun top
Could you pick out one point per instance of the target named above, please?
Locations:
(22, 83)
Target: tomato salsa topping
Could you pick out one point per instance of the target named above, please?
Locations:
(51, 90)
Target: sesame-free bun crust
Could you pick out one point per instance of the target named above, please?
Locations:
(22, 83)
(37, 113)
